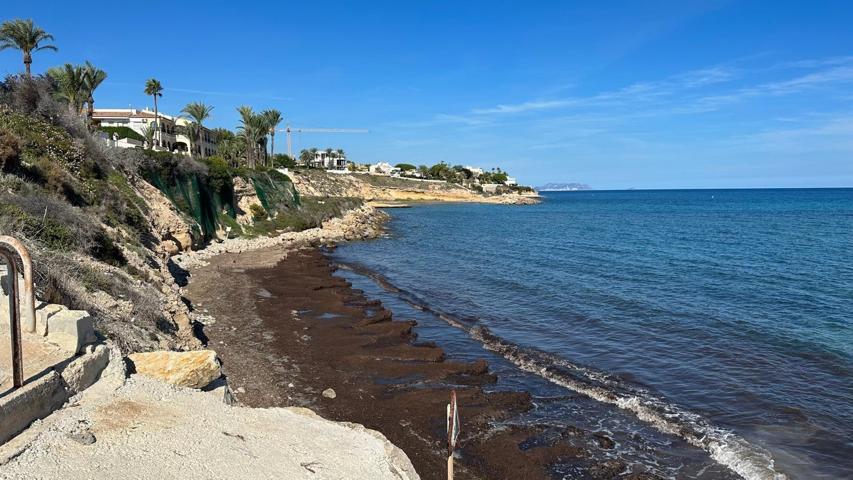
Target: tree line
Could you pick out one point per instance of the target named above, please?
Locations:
(252, 146)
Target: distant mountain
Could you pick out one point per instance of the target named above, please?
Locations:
(563, 187)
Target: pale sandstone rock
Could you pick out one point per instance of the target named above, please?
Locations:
(246, 196)
(86, 369)
(71, 330)
(194, 369)
(43, 315)
(174, 232)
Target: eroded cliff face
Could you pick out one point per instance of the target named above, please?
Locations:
(245, 196)
(391, 189)
(173, 230)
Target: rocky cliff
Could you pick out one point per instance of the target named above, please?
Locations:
(377, 188)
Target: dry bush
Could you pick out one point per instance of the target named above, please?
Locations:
(10, 151)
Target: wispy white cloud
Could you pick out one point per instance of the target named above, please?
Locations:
(685, 93)
(216, 93)
(779, 88)
(832, 133)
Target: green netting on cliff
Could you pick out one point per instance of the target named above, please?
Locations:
(193, 196)
(275, 191)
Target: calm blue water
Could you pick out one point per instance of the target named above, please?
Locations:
(717, 320)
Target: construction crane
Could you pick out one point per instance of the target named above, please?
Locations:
(290, 130)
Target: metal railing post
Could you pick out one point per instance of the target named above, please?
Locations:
(14, 319)
(11, 250)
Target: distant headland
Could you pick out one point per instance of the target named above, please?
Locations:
(563, 187)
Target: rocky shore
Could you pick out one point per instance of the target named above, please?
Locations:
(357, 224)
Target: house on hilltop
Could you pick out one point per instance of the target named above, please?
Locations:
(169, 138)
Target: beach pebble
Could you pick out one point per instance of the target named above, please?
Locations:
(83, 438)
(329, 393)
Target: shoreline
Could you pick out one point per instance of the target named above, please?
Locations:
(291, 333)
(290, 330)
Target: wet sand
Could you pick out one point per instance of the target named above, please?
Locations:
(287, 329)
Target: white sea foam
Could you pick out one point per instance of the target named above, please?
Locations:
(725, 447)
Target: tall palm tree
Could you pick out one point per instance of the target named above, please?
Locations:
(71, 85)
(155, 89)
(273, 118)
(246, 131)
(23, 35)
(199, 112)
(92, 78)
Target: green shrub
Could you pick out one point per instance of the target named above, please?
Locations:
(54, 235)
(123, 132)
(258, 212)
(40, 139)
(280, 160)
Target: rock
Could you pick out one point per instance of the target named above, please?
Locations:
(71, 330)
(182, 320)
(170, 247)
(194, 369)
(329, 393)
(43, 315)
(83, 438)
(86, 369)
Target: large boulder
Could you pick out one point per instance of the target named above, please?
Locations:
(194, 369)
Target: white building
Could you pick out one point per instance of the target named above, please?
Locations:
(333, 160)
(511, 181)
(381, 168)
(476, 171)
(169, 137)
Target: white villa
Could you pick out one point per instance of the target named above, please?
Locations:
(381, 168)
(169, 138)
(511, 181)
(329, 161)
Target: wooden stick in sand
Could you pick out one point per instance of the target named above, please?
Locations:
(452, 432)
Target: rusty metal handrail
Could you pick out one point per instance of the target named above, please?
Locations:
(11, 249)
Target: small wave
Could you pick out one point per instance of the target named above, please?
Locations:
(725, 447)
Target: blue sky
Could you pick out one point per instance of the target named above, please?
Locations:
(644, 94)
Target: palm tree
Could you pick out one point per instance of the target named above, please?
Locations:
(24, 36)
(199, 112)
(313, 151)
(305, 157)
(155, 89)
(148, 133)
(92, 78)
(191, 131)
(71, 85)
(273, 118)
(246, 129)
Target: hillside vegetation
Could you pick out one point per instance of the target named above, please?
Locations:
(101, 223)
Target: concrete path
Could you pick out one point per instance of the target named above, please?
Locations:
(144, 429)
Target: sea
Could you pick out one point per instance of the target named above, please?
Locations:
(708, 332)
